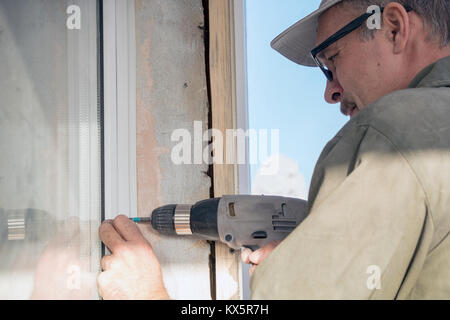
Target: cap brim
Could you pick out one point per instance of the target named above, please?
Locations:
(296, 42)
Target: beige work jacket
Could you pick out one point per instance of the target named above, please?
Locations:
(379, 206)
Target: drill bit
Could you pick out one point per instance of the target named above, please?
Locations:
(142, 220)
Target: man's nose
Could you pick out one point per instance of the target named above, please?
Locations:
(333, 92)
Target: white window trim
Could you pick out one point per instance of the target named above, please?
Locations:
(119, 47)
(241, 117)
(243, 171)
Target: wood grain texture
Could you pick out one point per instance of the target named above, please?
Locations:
(222, 63)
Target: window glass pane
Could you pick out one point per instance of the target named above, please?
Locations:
(50, 149)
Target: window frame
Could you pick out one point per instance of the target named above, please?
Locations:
(119, 61)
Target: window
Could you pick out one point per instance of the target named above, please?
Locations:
(50, 146)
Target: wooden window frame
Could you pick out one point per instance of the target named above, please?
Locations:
(229, 111)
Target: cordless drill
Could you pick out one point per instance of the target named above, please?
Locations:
(238, 221)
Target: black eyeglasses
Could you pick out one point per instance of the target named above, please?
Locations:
(338, 35)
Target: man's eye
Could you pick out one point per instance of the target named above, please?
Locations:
(333, 57)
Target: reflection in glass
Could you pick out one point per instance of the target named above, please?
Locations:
(50, 155)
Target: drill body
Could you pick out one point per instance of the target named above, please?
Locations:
(240, 221)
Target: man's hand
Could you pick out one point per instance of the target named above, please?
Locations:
(256, 257)
(132, 271)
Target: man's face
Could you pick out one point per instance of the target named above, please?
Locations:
(363, 71)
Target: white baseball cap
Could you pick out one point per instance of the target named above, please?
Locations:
(297, 41)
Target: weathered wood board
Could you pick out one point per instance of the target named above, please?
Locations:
(171, 94)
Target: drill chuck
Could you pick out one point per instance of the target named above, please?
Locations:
(163, 219)
(199, 219)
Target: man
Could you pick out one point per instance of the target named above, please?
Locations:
(379, 220)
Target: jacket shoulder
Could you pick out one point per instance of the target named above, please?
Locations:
(417, 124)
(413, 118)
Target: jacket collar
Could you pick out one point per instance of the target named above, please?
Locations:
(434, 76)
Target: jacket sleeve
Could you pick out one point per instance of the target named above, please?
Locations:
(358, 239)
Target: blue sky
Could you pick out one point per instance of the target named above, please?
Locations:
(283, 95)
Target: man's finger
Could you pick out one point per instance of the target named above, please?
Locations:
(258, 256)
(106, 262)
(127, 229)
(103, 280)
(245, 254)
(110, 237)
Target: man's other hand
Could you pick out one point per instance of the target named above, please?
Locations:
(132, 271)
(256, 257)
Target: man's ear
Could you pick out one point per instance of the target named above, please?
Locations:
(396, 24)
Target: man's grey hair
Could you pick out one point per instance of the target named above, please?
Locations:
(435, 13)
